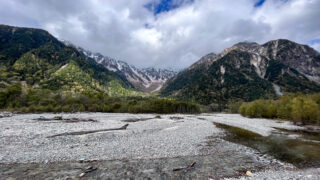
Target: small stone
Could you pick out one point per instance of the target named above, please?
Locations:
(90, 169)
(82, 174)
(248, 173)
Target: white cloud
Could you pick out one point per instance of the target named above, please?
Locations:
(126, 30)
(148, 37)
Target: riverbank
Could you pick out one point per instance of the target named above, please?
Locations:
(165, 146)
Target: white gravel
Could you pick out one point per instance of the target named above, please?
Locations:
(23, 139)
(263, 127)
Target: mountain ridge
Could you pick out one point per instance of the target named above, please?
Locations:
(145, 79)
(37, 59)
(245, 71)
(279, 63)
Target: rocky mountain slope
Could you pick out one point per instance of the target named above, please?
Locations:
(249, 71)
(145, 79)
(36, 59)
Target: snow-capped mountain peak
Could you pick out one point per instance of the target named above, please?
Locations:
(145, 79)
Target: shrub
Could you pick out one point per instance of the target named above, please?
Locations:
(9, 96)
(49, 108)
(66, 108)
(304, 110)
(298, 108)
(234, 106)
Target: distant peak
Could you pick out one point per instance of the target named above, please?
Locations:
(284, 40)
(280, 41)
(246, 43)
(211, 54)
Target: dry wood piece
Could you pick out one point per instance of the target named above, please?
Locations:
(137, 120)
(66, 120)
(90, 169)
(87, 170)
(186, 169)
(176, 118)
(89, 132)
(4, 115)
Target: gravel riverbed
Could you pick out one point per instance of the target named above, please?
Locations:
(150, 147)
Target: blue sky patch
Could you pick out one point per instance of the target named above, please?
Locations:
(259, 3)
(314, 41)
(158, 7)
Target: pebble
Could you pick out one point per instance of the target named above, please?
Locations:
(25, 141)
(248, 173)
(143, 139)
(82, 174)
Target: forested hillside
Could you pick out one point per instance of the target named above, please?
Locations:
(36, 59)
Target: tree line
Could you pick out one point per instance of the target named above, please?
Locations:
(299, 108)
(15, 98)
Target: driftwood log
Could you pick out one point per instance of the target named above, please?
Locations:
(137, 120)
(186, 169)
(89, 132)
(66, 120)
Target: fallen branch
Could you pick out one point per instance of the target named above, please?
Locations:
(88, 170)
(186, 169)
(66, 120)
(89, 132)
(137, 120)
(4, 115)
(176, 118)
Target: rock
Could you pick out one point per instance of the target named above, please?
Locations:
(90, 169)
(57, 118)
(81, 160)
(82, 174)
(248, 173)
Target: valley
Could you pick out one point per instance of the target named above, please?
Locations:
(244, 72)
(160, 89)
(69, 113)
(145, 79)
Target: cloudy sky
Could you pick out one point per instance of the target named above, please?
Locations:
(167, 33)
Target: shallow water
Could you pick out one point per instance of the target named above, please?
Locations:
(315, 136)
(300, 152)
